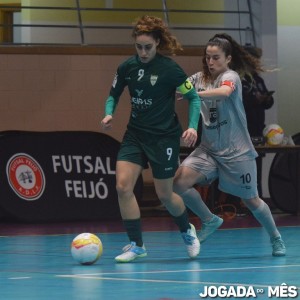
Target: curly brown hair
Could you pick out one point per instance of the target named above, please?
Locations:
(155, 27)
(241, 61)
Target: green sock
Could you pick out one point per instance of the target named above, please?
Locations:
(134, 231)
(182, 222)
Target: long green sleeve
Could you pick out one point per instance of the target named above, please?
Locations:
(194, 108)
(110, 105)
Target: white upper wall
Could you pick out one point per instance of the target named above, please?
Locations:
(288, 65)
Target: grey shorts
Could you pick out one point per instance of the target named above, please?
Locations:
(238, 178)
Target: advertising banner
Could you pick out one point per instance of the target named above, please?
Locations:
(51, 176)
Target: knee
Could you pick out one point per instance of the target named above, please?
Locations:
(164, 194)
(253, 203)
(181, 183)
(165, 199)
(123, 189)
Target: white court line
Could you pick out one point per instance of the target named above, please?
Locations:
(18, 278)
(169, 281)
(184, 271)
(97, 277)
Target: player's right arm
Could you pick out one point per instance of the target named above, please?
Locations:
(112, 101)
(110, 107)
(226, 88)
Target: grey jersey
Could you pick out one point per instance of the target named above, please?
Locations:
(224, 128)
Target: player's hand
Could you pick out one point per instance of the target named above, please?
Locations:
(190, 137)
(106, 122)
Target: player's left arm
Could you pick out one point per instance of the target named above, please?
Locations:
(189, 93)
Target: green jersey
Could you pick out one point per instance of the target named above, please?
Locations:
(152, 87)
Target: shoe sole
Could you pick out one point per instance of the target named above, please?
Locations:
(195, 255)
(129, 260)
(278, 254)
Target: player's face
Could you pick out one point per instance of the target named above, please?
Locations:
(216, 60)
(146, 47)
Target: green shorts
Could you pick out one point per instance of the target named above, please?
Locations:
(162, 153)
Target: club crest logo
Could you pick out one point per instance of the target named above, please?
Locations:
(139, 92)
(213, 115)
(153, 79)
(25, 176)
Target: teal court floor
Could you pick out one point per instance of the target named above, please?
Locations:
(36, 264)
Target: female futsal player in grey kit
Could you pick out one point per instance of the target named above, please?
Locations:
(226, 151)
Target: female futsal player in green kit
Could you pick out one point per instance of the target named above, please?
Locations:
(226, 151)
(153, 132)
